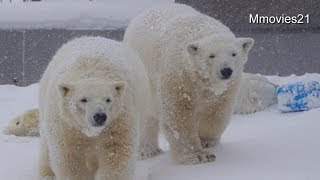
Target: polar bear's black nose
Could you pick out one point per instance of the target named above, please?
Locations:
(100, 118)
(226, 73)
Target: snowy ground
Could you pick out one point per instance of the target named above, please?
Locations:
(71, 14)
(268, 145)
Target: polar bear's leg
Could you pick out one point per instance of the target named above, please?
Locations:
(68, 161)
(71, 166)
(116, 155)
(209, 142)
(184, 140)
(180, 126)
(115, 162)
(149, 132)
(45, 171)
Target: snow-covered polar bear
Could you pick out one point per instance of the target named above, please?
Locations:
(195, 65)
(92, 95)
(24, 125)
(256, 93)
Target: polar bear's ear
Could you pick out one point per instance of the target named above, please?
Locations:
(120, 87)
(193, 48)
(64, 89)
(246, 44)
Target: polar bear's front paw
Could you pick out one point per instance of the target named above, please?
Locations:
(149, 151)
(198, 158)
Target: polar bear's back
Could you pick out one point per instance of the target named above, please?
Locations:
(83, 51)
(157, 19)
(172, 21)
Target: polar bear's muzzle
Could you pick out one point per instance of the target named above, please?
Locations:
(99, 119)
(226, 73)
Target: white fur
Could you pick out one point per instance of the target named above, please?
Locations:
(194, 104)
(95, 68)
(256, 93)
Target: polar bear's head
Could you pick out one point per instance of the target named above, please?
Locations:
(219, 57)
(90, 105)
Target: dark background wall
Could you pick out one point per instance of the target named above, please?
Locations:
(279, 49)
(25, 54)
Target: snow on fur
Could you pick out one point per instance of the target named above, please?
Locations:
(195, 102)
(94, 69)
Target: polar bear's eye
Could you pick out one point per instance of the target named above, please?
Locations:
(84, 100)
(212, 56)
(234, 54)
(108, 100)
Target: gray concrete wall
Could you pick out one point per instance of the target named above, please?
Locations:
(235, 13)
(24, 54)
(284, 53)
(279, 48)
(284, 49)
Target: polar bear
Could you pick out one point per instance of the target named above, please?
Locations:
(256, 93)
(24, 125)
(92, 96)
(195, 65)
